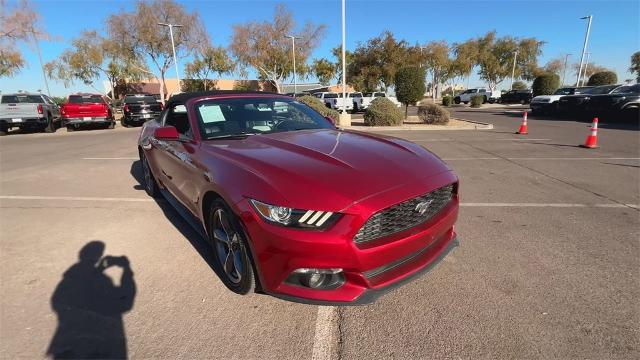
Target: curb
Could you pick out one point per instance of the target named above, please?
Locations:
(477, 126)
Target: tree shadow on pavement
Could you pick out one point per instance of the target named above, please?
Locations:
(90, 307)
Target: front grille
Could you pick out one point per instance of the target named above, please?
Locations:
(404, 215)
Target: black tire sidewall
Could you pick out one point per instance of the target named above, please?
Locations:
(247, 282)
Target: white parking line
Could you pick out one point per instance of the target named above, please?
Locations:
(74, 198)
(326, 335)
(110, 158)
(555, 205)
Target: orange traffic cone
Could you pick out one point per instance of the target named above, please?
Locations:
(523, 126)
(592, 140)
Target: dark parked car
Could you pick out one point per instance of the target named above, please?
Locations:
(277, 190)
(516, 97)
(549, 103)
(138, 108)
(575, 105)
(622, 104)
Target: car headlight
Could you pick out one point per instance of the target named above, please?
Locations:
(296, 218)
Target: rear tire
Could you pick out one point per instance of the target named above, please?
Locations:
(123, 122)
(3, 131)
(50, 127)
(230, 249)
(150, 183)
(456, 100)
(111, 125)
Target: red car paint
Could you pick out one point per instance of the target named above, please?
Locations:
(352, 173)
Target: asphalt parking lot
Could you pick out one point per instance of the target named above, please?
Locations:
(547, 267)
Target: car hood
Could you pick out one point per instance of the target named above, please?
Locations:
(330, 169)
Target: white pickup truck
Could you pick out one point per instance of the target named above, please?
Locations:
(465, 96)
(334, 100)
(32, 111)
(368, 97)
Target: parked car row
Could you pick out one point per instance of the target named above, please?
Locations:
(612, 102)
(38, 112)
(356, 101)
(465, 96)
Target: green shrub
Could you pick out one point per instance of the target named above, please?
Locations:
(320, 107)
(433, 114)
(603, 78)
(545, 84)
(519, 85)
(410, 88)
(382, 112)
(477, 101)
(447, 100)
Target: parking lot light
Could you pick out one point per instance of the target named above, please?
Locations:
(295, 81)
(173, 47)
(584, 47)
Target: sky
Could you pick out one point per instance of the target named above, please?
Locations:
(615, 32)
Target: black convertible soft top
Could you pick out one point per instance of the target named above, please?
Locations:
(186, 96)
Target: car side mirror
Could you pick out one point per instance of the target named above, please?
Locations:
(166, 133)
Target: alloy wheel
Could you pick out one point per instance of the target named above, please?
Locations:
(228, 246)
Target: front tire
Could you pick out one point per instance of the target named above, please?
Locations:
(230, 249)
(456, 100)
(150, 184)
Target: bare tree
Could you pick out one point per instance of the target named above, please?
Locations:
(138, 35)
(210, 60)
(18, 24)
(91, 57)
(264, 47)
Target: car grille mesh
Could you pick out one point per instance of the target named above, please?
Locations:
(404, 215)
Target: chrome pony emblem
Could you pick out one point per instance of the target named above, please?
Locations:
(422, 207)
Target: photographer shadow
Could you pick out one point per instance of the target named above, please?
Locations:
(90, 307)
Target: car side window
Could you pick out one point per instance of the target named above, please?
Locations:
(176, 116)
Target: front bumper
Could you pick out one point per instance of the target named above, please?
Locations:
(88, 120)
(540, 106)
(370, 270)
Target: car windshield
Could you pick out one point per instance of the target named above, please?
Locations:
(379, 95)
(564, 91)
(85, 99)
(139, 99)
(225, 118)
(330, 96)
(627, 89)
(355, 95)
(14, 99)
(367, 94)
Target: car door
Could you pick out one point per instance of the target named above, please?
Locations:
(176, 160)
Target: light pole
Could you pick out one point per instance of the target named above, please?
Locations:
(513, 70)
(44, 75)
(564, 69)
(586, 66)
(344, 60)
(295, 80)
(584, 47)
(173, 47)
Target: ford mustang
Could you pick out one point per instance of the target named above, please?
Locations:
(292, 205)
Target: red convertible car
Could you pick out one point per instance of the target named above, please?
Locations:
(295, 207)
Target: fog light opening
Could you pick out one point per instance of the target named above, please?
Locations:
(317, 279)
